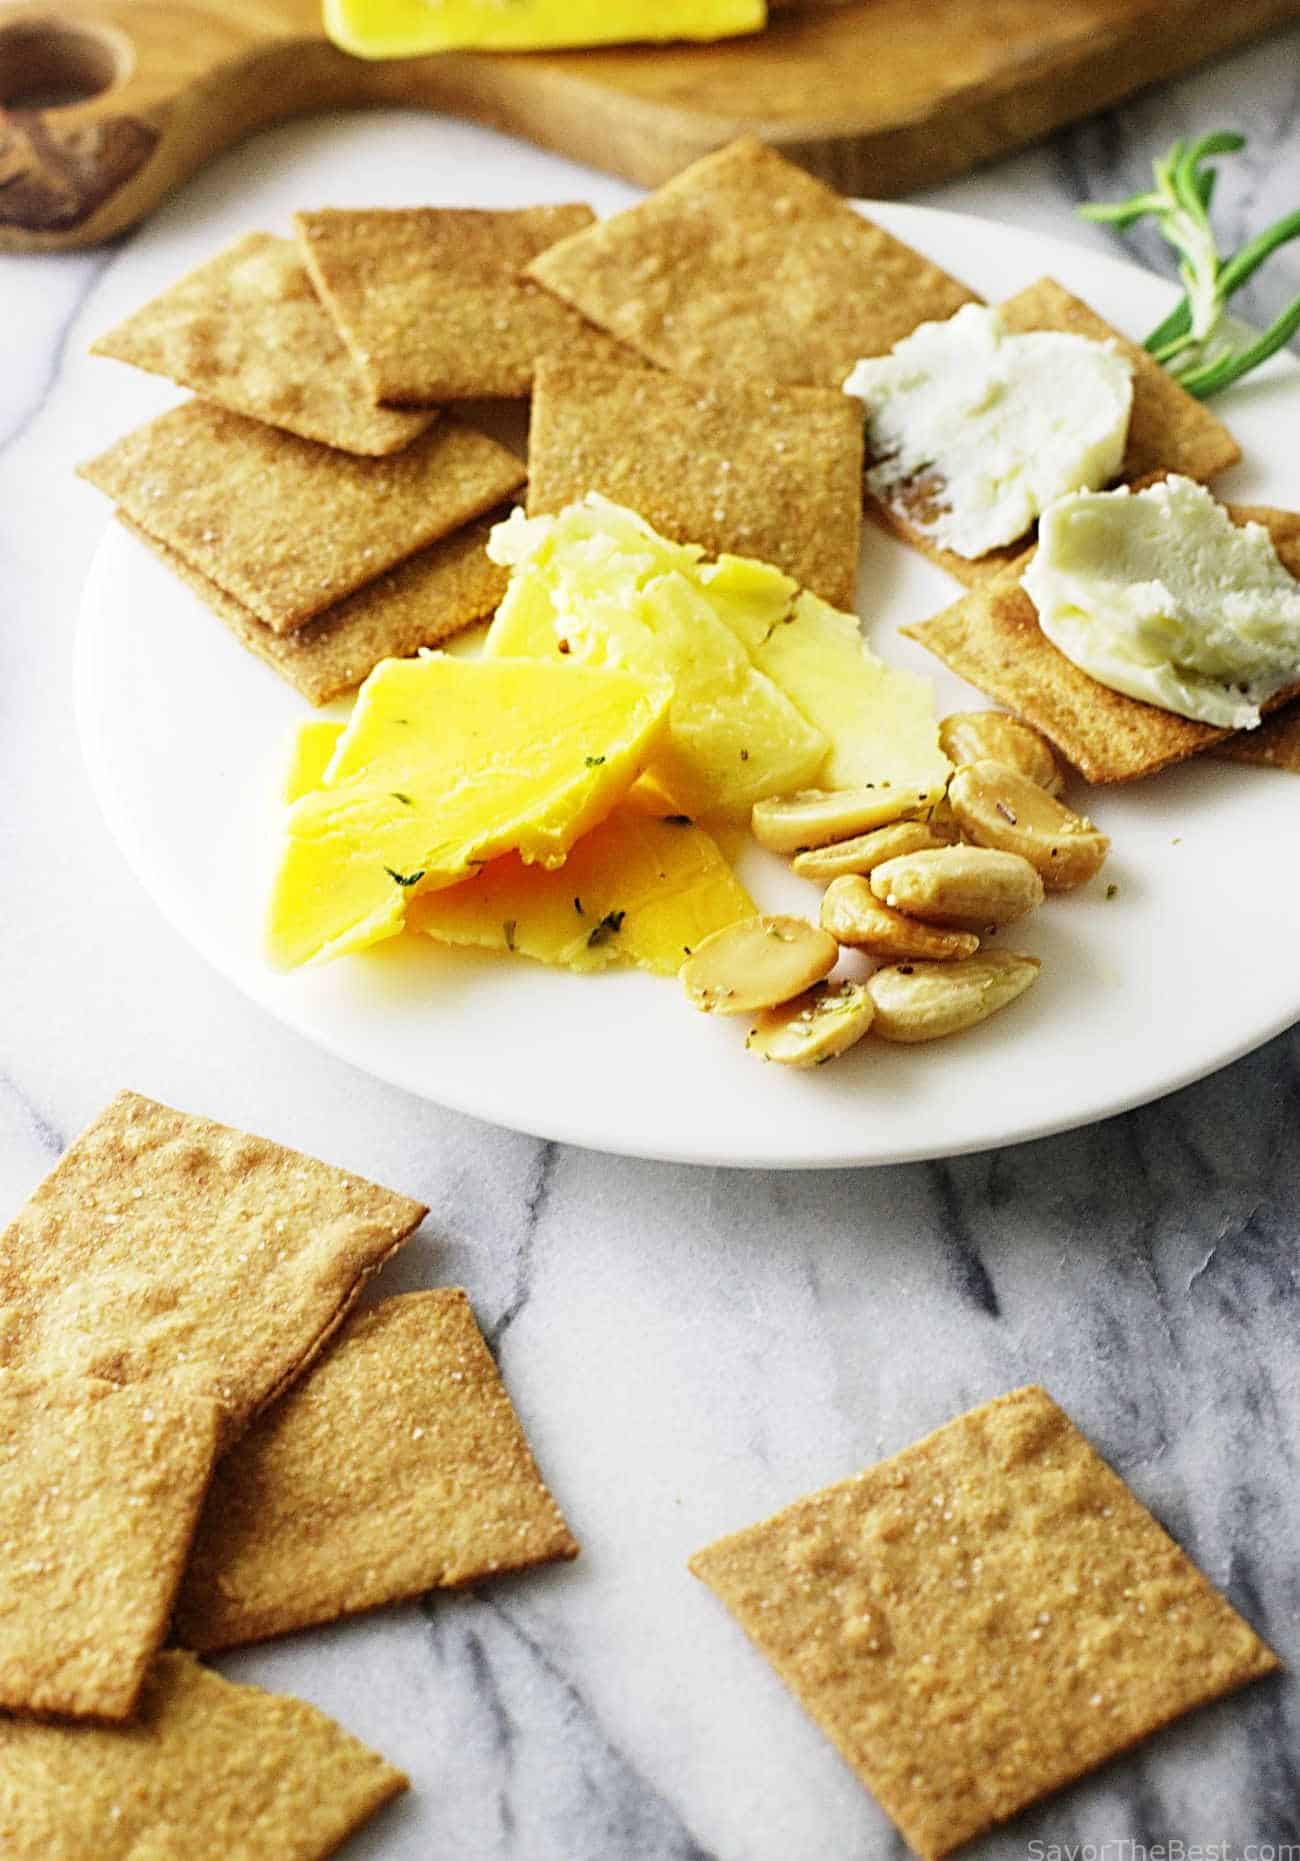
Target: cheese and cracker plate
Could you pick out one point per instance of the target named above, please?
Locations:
(1170, 963)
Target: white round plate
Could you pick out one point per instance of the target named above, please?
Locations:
(1184, 968)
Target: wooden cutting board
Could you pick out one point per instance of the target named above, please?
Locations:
(105, 105)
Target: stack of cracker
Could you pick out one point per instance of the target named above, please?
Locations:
(188, 1413)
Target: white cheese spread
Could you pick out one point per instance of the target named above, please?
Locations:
(1159, 594)
(973, 430)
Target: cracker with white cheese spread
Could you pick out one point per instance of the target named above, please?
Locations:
(422, 602)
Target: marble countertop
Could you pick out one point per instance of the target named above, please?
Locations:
(689, 1348)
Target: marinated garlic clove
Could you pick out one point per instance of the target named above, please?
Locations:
(992, 736)
(927, 1001)
(998, 807)
(817, 816)
(864, 851)
(815, 1027)
(855, 916)
(978, 886)
(757, 963)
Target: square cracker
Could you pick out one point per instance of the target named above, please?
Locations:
(983, 1618)
(991, 638)
(100, 1490)
(432, 303)
(165, 1249)
(396, 1467)
(248, 331)
(744, 467)
(207, 1769)
(423, 601)
(743, 265)
(1169, 430)
(289, 527)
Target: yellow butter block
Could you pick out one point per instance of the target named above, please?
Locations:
(406, 28)
(602, 584)
(445, 764)
(644, 887)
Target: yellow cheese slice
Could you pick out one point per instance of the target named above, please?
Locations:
(405, 28)
(445, 764)
(601, 583)
(879, 719)
(643, 887)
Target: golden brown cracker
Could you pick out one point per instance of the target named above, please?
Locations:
(208, 1769)
(1169, 430)
(744, 467)
(100, 1491)
(744, 266)
(396, 1467)
(166, 1249)
(289, 527)
(247, 331)
(423, 601)
(983, 1618)
(432, 302)
(992, 639)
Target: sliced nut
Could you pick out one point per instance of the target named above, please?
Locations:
(817, 816)
(855, 916)
(992, 736)
(999, 807)
(813, 1028)
(757, 964)
(864, 851)
(977, 886)
(926, 1001)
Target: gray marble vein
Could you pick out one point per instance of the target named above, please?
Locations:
(688, 1349)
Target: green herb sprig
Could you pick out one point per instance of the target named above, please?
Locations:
(1190, 341)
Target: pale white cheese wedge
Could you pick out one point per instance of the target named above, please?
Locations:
(1158, 594)
(987, 427)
